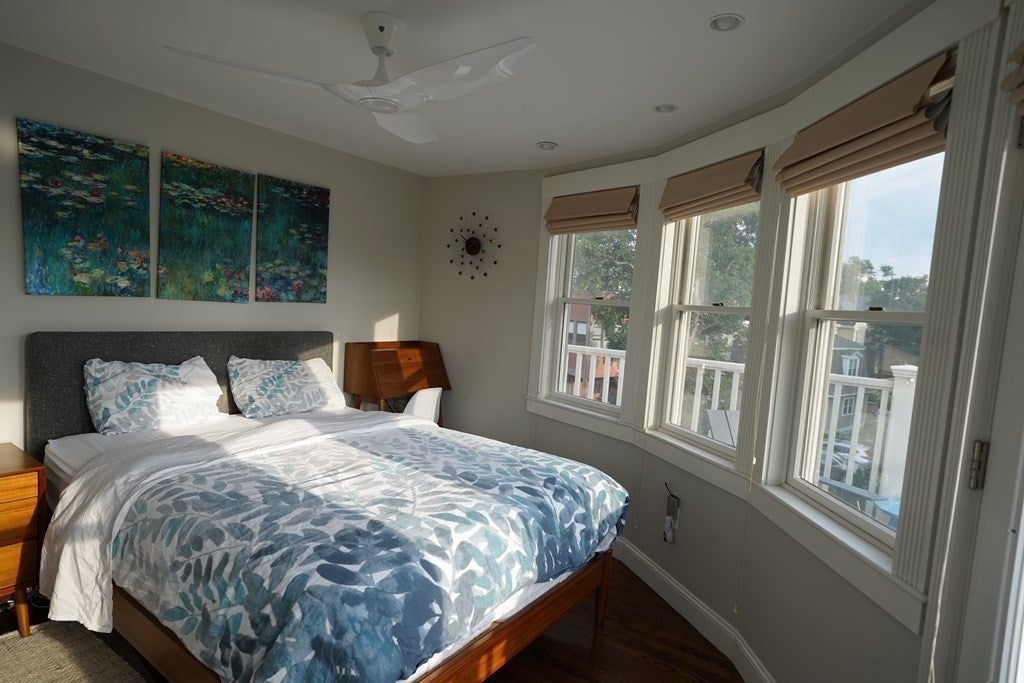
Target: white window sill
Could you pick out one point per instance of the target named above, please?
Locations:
(691, 458)
(606, 424)
(863, 564)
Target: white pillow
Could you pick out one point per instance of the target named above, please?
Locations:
(281, 387)
(132, 397)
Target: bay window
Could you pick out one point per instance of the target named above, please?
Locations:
(812, 312)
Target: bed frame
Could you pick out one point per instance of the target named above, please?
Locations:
(55, 407)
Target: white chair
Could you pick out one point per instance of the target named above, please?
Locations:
(425, 403)
(723, 425)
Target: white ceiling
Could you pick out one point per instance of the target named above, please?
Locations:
(601, 68)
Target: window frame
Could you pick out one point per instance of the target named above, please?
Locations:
(562, 249)
(685, 234)
(825, 214)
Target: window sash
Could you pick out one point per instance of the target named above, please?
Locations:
(725, 385)
(559, 385)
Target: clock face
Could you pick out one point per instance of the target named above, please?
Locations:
(473, 245)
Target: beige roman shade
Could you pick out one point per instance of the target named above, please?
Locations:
(593, 211)
(901, 121)
(1014, 81)
(712, 188)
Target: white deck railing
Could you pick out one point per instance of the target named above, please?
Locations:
(589, 364)
(865, 412)
(878, 417)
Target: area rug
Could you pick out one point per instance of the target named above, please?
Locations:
(59, 651)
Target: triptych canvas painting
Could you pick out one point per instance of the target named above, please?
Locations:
(85, 215)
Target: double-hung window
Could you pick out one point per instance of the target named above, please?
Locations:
(874, 241)
(715, 215)
(595, 246)
(869, 198)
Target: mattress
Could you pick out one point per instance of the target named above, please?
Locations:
(260, 464)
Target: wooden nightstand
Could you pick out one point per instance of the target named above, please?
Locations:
(22, 485)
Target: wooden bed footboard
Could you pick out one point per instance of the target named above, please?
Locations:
(481, 657)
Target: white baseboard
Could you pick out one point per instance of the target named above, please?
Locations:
(712, 626)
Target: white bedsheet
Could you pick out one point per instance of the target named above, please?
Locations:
(66, 456)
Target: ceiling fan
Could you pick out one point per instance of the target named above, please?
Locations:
(393, 101)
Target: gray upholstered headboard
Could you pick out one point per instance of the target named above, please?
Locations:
(55, 401)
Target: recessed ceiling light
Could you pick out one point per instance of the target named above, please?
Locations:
(725, 22)
(666, 108)
(547, 145)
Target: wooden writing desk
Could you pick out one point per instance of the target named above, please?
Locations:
(377, 371)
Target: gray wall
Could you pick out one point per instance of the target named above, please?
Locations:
(803, 620)
(484, 325)
(373, 273)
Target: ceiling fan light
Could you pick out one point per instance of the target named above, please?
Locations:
(725, 22)
(379, 105)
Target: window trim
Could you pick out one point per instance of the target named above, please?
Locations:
(561, 247)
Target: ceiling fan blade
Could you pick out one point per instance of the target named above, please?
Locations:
(351, 93)
(255, 68)
(460, 76)
(407, 125)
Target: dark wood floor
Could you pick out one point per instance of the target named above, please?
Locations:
(643, 639)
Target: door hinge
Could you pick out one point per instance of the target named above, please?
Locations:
(979, 461)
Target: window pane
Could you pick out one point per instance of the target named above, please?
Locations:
(888, 232)
(861, 447)
(602, 264)
(724, 258)
(593, 355)
(708, 400)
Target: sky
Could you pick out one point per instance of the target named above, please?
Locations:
(891, 216)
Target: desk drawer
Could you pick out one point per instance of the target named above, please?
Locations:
(18, 563)
(19, 486)
(18, 520)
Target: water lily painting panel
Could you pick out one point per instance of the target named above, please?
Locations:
(291, 241)
(84, 211)
(205, 231)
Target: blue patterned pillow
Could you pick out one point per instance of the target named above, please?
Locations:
(263, 388)
(135, 397)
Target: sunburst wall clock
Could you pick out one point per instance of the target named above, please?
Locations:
(473, 245)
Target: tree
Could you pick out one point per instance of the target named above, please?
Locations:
(602, 268)
(724, 275)
(862, 289)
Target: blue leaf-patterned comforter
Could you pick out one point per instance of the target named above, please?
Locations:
(354, 554)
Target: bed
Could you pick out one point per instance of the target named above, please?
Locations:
(505, 620)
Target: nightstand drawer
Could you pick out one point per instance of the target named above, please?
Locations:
(19, 486)
(18, 563)
(18, 520)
